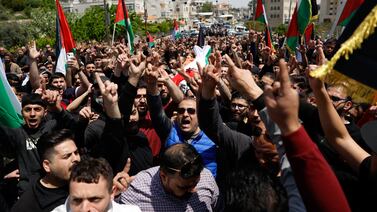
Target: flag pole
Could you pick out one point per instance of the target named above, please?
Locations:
(112, 39)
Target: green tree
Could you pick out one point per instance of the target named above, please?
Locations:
(255, 25)
(42, 22)
(207, 7)
(90, 26)
(13, 35)
(281, 29)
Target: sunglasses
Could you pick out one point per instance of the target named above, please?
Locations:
(337, 99)
(182, 110)
(187, 170)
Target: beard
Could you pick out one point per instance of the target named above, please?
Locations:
(165, 99)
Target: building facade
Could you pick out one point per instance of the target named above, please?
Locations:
(279, 11)
(329, 10)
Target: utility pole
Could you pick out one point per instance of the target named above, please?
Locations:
(145, 16)
(107, 20)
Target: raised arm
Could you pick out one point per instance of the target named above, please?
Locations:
(113, 146)
(77, 102)
(175, 93)
(128, 91)
(244, 82)
(161, 122)
(309, 167)
(75, 69)
(210, 120)
(334, 128)
(34, 78)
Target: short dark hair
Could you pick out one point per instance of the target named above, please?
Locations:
(238, 95)
(179, 154)
(48, 141)
(57, 75)
(254, 190)
(90, 170)
(33, 99)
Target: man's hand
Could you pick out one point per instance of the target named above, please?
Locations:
(13, 174)
(33, 52)
(53, 98)
(108, 90)
(74, 65)
(163, 75)
(282, 102)
(122, 180)
(210, 78)
(242, 80)
(315, 83)
(135, 72)
(151, 78)
(86, 112)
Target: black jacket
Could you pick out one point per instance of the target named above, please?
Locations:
(41, 199)
(235, 149)
(117, 145)
(21, 143)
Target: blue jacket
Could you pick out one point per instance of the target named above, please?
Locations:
(170, 134)
(205, 147)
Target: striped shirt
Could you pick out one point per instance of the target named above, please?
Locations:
(147, 192)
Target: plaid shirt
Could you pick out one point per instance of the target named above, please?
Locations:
(146, 191)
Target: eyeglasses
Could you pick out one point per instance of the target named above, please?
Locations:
(235, 106)
(187, 170)
(182, 110)
(338, 99)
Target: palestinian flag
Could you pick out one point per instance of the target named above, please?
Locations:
(202, 54)
(300, 20)
(150, 40)
(176, 34)
(292, 33)
(10, 107)
(309, 33)
(304, 14)
(349, 11)
(260, 13)
(355, 61)
(268, 39)
(126, 22)
(64, 39)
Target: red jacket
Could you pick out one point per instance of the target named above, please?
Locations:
(315, 180)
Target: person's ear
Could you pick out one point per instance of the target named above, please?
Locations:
(164, 177)
(348, 106)
(46, 165)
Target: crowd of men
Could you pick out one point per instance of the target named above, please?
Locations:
(152, 130)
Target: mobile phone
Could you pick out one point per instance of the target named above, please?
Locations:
(70, 55)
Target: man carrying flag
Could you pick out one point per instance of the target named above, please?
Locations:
(122, 18)
(64, 40)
